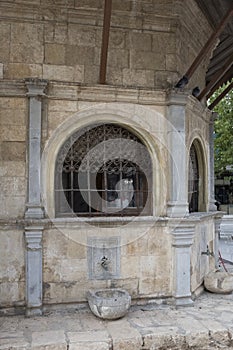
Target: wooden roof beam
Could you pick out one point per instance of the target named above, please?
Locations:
(227, 76)
(185, 79)
(216, 77)
(105, 41)
(220, 97)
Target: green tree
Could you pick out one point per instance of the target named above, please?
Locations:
(223, 139)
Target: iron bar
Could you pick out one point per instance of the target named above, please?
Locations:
(105, 41)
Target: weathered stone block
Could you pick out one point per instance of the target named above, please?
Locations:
(13, 133)
(165, 79)
(165, 42)
(57, 72)
(13, 151)
(60, 33)
(9, 168)
(116, 39)
(62, 105)
(12, 265)
(118, 58)
(140, 41)
(56, 118)
(49, 32)
(114, 76)
(91, 340)
(49, 340)
(4, 41)
(124, 336)
(13, 207)
(79, 55)
(54, 54)
(12, 293)
(15, 103)
(130, 266)
(12, 117)
(79, 36)
(21, 35)
(148, 60)
(138, 77)
(16, 185)
(1, 70)
(91, 74)
(89, 3)
(171, 62)
(55, 244)
(22, 70)
(13, 340)
(76, 250)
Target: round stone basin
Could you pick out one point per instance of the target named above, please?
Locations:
(219, 282)
(109, 303)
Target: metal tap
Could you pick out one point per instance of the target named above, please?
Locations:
(208, 252)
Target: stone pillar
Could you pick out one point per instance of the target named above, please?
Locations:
(34, 210)
(217, 223)
(182, 242)
(178, 202)
(36, 89)
(33, 237)
(212, 206)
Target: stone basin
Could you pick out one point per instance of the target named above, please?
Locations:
(112, 303)
(219, 282)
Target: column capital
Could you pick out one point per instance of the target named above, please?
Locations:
(33, 237)
(183, 235)
(175, 97)
(35, 86)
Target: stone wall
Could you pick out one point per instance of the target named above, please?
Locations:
(151, 47)
(151, 43)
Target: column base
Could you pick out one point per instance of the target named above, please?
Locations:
(177, 209)
(183, 302)
(36, 311)
(34, 212)
(212, 206)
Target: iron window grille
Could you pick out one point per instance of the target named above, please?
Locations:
(103, 170)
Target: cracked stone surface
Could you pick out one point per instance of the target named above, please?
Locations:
(206, 325)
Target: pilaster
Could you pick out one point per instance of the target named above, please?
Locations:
(177, 204)
(182, 242)
(212, 206)
(35, 93)
(33, 237)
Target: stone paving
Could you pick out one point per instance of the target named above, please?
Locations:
(206, 325)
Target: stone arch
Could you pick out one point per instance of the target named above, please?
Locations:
(110, 113)
(197, 177)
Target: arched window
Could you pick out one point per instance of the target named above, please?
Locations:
(193, 183)
(103, 170)
(197, 185)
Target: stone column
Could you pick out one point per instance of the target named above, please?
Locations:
(217, 223)
(212, 206)
(35, 93)
(33, 237)
(178, 202)
(182, 242)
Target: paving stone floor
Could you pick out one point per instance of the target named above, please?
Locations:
(206, 325)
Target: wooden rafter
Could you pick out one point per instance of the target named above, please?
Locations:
(226, 77)
(217, 76)
(105, 41)
(220, 97)
(209, 44)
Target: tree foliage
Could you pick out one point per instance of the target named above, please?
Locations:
(223, 138)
